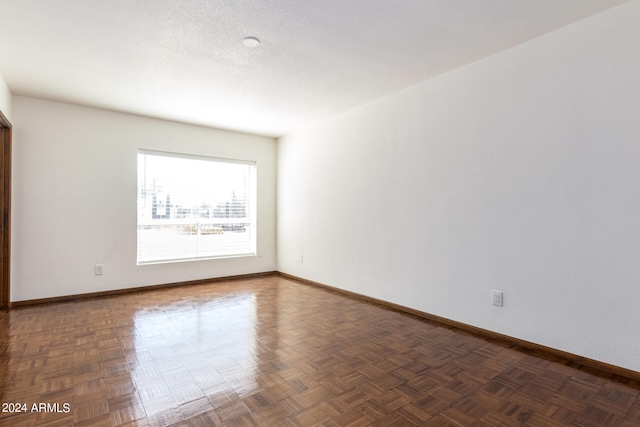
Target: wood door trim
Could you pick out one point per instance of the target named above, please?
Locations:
(5, 211)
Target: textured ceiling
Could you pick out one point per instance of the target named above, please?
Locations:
(184, 60)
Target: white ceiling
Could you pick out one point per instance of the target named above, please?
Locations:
(184, 60)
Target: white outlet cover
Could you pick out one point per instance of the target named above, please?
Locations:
(496, 298)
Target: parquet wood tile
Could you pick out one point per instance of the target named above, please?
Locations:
(270, 351)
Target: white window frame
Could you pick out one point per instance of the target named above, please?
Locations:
(203, 228)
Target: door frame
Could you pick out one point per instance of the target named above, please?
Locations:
(5, 212)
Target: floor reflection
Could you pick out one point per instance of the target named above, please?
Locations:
(164, 356)
(192, 357)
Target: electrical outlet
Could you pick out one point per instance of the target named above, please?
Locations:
(496, 298)
(301, 258)
(98, 269)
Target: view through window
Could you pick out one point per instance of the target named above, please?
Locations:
(192, 207)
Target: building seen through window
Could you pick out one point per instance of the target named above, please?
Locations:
(192, 207)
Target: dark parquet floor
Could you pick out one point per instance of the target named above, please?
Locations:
(272, 352)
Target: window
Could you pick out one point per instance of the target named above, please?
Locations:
(192, 207)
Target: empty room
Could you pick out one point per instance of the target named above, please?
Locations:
(337, 213)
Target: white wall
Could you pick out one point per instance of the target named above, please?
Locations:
(74, 198)
(5, 99)
(519, 172)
